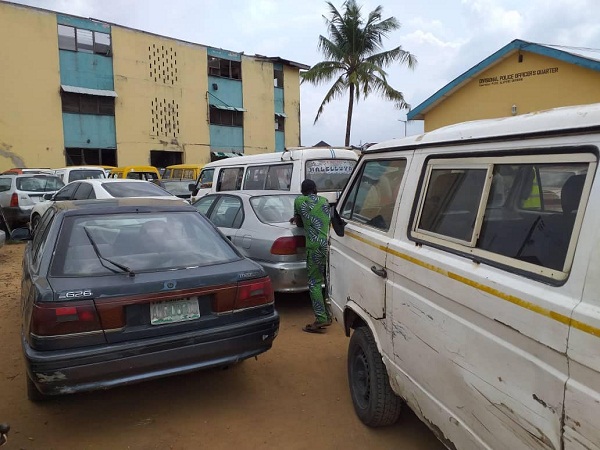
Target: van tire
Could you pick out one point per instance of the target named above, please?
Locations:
(35, 220)
(32, 392)
(374, 401)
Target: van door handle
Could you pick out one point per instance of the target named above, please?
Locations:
(379, 272)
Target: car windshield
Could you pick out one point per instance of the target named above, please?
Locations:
(85, 174)
(329, 174)
(120, 189)
(39, 183)
(273, 208)
(147, 242)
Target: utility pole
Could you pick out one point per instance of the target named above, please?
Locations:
(405, 122)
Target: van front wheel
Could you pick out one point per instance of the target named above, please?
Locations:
(374, 401)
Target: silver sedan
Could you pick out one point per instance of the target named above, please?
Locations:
(257, 222)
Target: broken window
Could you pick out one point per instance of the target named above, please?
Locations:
(278, 78)
(85, 41)
(224, 68)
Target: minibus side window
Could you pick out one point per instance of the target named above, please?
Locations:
(519, 212)
(279, 177)
(538, 228)
(452, 202)
(373, 195)
(230, 179)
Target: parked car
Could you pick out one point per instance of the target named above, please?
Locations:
(148, 173)
(20, 193)
(98, 188)
(257, 222)
(180, 188)
(118, 291)
(182, 172)
(73, 173)
(22, 170)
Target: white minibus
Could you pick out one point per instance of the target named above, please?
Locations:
(465, 266)
(329, 168)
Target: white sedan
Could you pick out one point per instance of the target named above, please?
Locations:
(99, 188)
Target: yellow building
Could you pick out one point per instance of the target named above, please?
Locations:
(78, 91)
(520, 78)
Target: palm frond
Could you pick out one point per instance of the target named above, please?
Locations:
(337, 90)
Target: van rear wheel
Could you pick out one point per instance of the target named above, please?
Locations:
(374, 401)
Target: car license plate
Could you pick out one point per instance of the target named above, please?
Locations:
(172, 311)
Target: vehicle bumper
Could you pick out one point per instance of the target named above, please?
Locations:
(102, 367)
(16, 216)
(287, 276)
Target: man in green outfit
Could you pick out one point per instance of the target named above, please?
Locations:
(311, 212)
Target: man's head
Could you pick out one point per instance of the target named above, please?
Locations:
(308, 187)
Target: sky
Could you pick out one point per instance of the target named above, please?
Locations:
(448, 37)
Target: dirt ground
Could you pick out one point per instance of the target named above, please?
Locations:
(295, 396)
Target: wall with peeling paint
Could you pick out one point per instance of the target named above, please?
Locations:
(30, 118)
(161, 84)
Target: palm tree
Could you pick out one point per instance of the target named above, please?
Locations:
(356, 59)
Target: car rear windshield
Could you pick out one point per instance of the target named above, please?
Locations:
(273, 208)
(119, 243)
(85, 174)
(132, 189)
(39, 183)
(329, 175)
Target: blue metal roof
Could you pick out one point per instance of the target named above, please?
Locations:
(516, 45)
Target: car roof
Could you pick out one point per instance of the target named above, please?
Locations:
(101, 181)
(80, 168)
(254, 193)
(29, 175)
(122, 205)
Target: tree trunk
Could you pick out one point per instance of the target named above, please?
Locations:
(349, 119)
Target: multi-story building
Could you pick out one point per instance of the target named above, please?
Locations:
(81, 91)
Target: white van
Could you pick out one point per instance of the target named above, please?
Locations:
(73, 173)
(329, 168)
(469, 272)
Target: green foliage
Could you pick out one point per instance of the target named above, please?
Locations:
(355, 58)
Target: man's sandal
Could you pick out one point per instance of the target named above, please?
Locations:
(316, 327)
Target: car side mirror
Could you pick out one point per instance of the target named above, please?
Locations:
(48, 196)
(338, 223)
(21, 234)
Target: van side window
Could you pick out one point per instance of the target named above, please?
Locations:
(452, 202)
(373, 195)
(276, 176)
(230, 179)
(528, 221)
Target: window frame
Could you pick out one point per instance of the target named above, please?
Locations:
(355, 182)
(573, 155)
(224, 68)
(96, 48)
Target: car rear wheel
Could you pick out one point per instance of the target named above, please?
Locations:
(374, 401)
(32, 392)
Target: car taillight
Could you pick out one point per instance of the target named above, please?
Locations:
(54, 319)
(288, 245)
(254, 293)
(14, 200)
